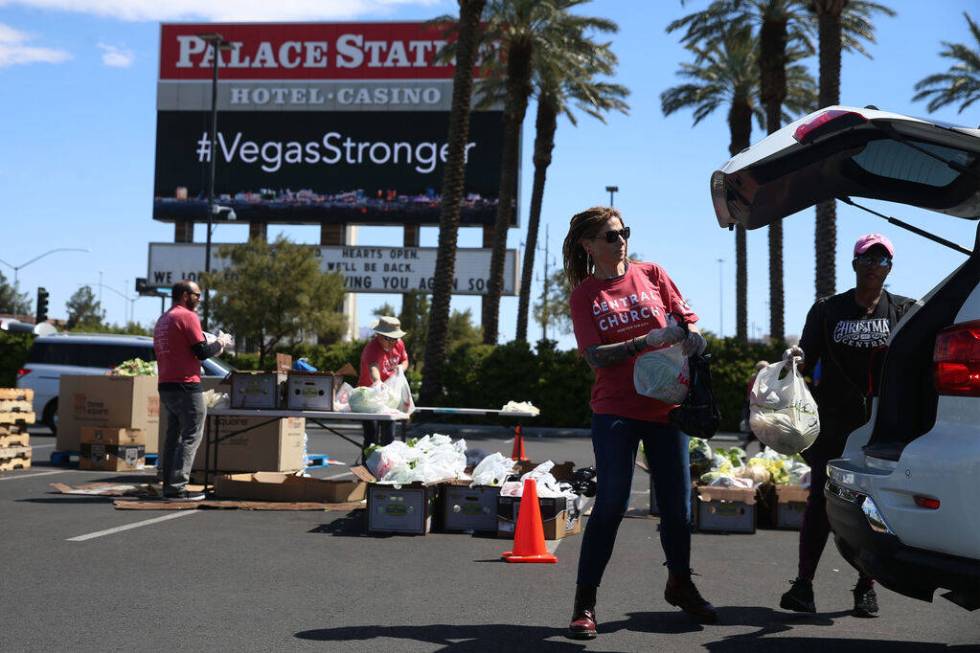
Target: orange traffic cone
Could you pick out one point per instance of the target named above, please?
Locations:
(518, 452)
(529, 534)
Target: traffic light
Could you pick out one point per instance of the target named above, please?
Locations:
(42, 306)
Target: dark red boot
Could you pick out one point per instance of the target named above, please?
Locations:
(583, 624)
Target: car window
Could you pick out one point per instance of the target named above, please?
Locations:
(87, 354)
(908, 162)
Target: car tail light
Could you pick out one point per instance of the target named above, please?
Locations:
(927, 502)
(956, 360)
(23, 372)
(827, 122)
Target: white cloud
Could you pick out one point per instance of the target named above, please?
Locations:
(230, 10)
(116, 57)
(14, 49)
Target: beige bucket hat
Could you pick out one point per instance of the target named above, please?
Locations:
(389, 326)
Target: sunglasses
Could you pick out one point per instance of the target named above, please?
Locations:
(388, 338)
(874, 260)
(613, 235)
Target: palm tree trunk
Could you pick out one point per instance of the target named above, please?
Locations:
(772, 84)
(452, 196)
(825, 232)
(518, 92)
(740, 131)
(545, 125)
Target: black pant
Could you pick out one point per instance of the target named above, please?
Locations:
(380, 433)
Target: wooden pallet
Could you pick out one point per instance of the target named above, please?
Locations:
(12, 429)
(25, 394)
(15, 458)
(16, 406)
(16, 418)
(14, 440)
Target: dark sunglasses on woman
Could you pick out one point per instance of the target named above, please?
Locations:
(872, 260)
(613, 235)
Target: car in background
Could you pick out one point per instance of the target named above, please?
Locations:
(52, 356)
(903, 498)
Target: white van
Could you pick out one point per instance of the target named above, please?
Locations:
(904, 500)
(73, 353)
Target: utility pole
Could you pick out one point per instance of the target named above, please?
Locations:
(721, 298)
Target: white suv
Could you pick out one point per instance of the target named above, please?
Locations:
(70, 353)
(904, 499)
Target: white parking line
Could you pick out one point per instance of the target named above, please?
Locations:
(119, 529)
(14, 478)
(41, 446)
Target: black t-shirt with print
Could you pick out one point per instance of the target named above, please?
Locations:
(849, 344)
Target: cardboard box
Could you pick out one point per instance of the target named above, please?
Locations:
(112, 457)
(278, 486)
(726, 509)
(268, 444)
(130, 402)
(257, 389)
(113, 435)
(558, 517)
(467, 508)
(407, 509)
(311, 391)
(789, 506)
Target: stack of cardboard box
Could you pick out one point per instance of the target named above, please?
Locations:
(16, 412)
(108, 402)
(112, 449)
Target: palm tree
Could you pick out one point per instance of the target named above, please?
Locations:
(525, 30)
(784, 26)
(961, 83)
(842, 25)
(563, 81)
(468, 41)
(725, 74)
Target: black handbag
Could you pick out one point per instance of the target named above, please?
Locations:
(699, 415)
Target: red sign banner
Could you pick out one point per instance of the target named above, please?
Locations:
(341, 51)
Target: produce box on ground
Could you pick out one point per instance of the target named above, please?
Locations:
(466, 508)
(558, 516)
(726, 509)
(789, 506)
(112, 449)
(130, 402)
(278, 486)
(407, 509)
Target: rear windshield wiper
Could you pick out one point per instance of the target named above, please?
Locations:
(912, 228)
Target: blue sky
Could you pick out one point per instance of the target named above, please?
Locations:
(77, 128)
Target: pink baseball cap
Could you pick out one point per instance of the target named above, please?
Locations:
(867, 241)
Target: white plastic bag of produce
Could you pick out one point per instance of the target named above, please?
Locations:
(662, 374)
(492, 470)
(399, 392)
(782, 412)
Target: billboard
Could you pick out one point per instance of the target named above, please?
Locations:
(365, 269)
(318, 123)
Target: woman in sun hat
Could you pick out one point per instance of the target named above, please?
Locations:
(384, 355)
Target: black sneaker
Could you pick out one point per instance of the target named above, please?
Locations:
(865, 601)
(183, 495)
(799, 598)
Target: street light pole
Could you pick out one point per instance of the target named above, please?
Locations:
(612, 191)
(218, 43)
(16, 268)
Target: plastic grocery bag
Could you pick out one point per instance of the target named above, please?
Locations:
(341, 401)
(399, 392)
(391, 396)
(782, 412)
(492, 470)
(662, 374)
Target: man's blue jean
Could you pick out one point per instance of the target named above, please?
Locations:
(615, 441)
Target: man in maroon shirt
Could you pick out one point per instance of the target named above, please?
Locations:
(180, 346)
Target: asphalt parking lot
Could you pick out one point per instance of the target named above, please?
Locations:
(264, 581)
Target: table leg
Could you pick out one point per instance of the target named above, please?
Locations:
(207, 449)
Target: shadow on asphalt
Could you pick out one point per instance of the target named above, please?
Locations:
(62, 499)
(510, 637)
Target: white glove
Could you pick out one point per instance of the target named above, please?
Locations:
(694, 344)
(666, 336)
(225, 340)
(793, 352)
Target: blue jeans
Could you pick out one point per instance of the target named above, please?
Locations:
(615, 441)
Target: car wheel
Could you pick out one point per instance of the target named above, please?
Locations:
(50, 417)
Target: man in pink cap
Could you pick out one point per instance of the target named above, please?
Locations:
(847, 335)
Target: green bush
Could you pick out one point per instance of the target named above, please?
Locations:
(13, 354)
